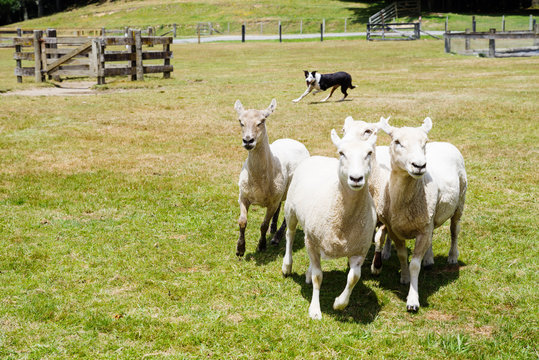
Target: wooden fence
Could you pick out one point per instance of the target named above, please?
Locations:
(394, 31)
(56, 56)
(492, 36)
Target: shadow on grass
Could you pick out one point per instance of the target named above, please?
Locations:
(430, 280)
(327, 102)
(363, 306)
(272, 252)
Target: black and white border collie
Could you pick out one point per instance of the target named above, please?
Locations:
(322, 82)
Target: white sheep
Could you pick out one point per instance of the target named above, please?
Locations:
(445, 164)
(417, 200)
(266, 174)
(328, 199)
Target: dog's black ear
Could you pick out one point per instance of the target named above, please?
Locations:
(314, 72)
(306, 73)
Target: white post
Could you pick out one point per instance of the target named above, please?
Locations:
(531, 22)
(345, 21)
(301, 26)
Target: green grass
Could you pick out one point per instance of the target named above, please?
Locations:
(119, 211)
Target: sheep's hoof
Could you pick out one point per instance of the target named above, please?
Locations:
(375, 271)
(286, 270)
(275, 241)
(261, 246)
(240, 250)
(412, 308)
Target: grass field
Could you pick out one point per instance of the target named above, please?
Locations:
(119, 211)
(228, 15)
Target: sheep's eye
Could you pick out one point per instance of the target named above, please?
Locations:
(242, 125)
(341, 153)
(260, 123)
(397, 143)
(370, 153)
(368, 132)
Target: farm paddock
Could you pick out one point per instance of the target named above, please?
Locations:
(119, 211)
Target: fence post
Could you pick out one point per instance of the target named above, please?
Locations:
(492, 44)
(345, 23)
(536, 39)
(447, 41)
(101, 62)
(138, 55)
(368, 31)
(198, 33)
(242, 33)
(446, 23)
(150, 33)
(280, 32)
(467, 41)
(166, 49)
(18, 49)
(301, 26)
(38, 34)
(174, 29)
(503, 22)
(133, 51)
(531, 22)
(473, 24)
(321, 32)
(51, 33)
(416, 31)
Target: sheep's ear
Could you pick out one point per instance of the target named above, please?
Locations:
(335, 138)
(372, 141)
(347, 123)
(270, 108)
(306, 73)
(427, 124)
(384, 125)
(239, 107)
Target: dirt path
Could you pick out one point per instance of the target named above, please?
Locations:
(67, 88)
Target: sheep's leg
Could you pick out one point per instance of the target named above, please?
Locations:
(402, 254)
(242, 222)
(353, 277)
(453, 256)
(331, 92)
(309, 274)
(278, 236)
(379, 238)
(316, 276)
(386, 252)
(264, 228)
(422, 244)
(275, 220)
(290, 235)
(428, 259)
(309, 89)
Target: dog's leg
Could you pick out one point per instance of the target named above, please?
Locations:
(343, 90)
(309, 89)
(331, 92)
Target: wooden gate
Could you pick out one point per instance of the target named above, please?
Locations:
(56, 56)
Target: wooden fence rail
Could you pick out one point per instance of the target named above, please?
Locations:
(394, 31)
(56, 56)
(492, 36)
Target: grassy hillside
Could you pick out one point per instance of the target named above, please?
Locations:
(231, 14)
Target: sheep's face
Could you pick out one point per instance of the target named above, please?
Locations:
(355, 159)
(253, 124)
(407, 148)
(360, 129)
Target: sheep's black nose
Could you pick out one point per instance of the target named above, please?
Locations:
(358, 179)
(420, 167)
(248, 141)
